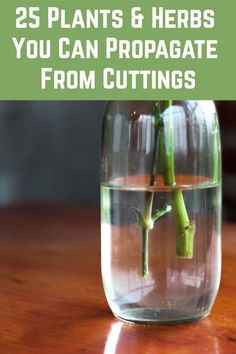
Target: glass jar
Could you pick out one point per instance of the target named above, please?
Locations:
(161, 210)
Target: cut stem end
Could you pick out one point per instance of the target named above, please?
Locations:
(184, 241)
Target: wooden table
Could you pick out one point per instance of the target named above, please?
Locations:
(52, 301)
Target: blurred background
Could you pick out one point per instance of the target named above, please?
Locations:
(50, 151)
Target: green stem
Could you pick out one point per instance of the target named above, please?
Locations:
(155, 152)
(147, 224)
(185, 228)
(145, 269)
(147, 213)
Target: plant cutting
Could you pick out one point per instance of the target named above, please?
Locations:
(185, 229)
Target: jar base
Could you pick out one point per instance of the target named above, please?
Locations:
(159, 317)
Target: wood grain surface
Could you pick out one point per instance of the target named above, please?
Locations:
(52, 301)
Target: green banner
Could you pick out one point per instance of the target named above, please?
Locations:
(99, 50)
